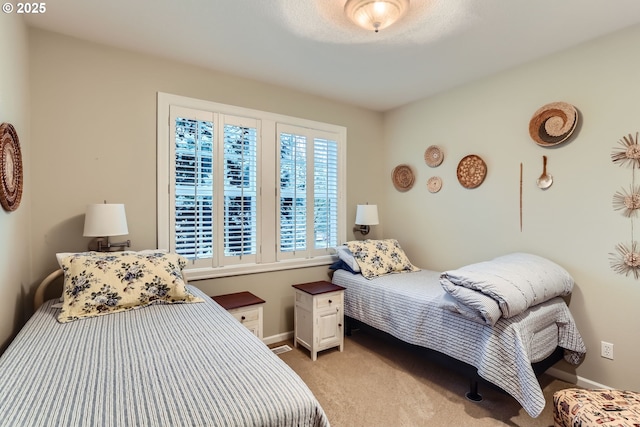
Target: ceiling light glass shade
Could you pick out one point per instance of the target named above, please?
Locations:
(103, 220)
(375, 15)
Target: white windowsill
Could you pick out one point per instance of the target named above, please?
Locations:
(240, 269)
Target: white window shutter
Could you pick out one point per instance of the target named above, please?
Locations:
(241, 190)
(192, 149)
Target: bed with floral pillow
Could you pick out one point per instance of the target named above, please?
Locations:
(132, 344)
(507, 347)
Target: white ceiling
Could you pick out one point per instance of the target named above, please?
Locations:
(309, 45)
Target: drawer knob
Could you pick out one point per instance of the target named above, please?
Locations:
(243, 318)
(330, 301)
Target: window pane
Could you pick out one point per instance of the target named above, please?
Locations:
(240, 190)
(194, 180)
(293, 192)
(325, 191)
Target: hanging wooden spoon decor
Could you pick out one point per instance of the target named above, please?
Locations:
(545, 179)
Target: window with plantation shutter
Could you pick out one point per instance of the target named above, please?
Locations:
(193, 179)
(244, 191)
(308, 192)
(325, 193)
(240, 215)
(293, 193)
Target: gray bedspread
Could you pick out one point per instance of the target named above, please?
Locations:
(504, 286)
(409, 307)
(163, 365)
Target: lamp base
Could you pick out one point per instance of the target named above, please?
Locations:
(364, 229)
(102, 244)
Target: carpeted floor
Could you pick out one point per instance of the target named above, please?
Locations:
(378, 381)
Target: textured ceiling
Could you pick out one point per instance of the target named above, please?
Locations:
(309, 45)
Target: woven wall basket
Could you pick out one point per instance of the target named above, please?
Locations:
(403, 177)
(11, 178)
(553, 123)
(471, 171)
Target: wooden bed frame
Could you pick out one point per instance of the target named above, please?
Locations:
(38, 298)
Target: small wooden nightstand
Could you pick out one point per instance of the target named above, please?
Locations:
(246, 307)
(318, 316)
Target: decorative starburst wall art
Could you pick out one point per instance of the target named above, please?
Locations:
(626, 259)
(627, 202)
(629, 153)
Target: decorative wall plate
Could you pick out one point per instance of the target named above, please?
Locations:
(10, 168)
(433, 156)
(402, 177)
(471, 171)
(434, 184)
(553, 123)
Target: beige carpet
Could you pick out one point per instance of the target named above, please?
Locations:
(379, 382)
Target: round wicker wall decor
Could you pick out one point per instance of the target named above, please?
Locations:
(402, 177)
(434, 184)
(471, 171)
(11, 180)
(433, 156)
(553, 123)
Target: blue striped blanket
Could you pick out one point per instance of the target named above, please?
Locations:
(162, 365)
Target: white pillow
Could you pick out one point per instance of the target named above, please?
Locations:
(347, 257)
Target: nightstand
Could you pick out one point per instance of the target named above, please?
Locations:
(318, 316)
(245, 307)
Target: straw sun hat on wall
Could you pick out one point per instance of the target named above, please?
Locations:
(553, 123)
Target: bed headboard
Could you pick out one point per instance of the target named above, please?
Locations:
(38, 298)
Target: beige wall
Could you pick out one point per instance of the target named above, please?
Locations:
(94, 138)
(572, 222)
(15, 275)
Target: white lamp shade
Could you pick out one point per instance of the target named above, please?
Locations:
(102, 220)
(367, 215)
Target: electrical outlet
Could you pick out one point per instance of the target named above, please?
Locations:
(606, 350)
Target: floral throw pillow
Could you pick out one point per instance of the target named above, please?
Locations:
(102, 283)
(379, 257)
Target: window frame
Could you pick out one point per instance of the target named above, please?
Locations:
(268, 258)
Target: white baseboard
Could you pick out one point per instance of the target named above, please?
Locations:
(575, 379)
(278, 338)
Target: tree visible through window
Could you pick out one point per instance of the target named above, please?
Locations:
(248, 189)
(293, 193)
(193, 184)
(240, 190)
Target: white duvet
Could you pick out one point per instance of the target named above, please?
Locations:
(503, 287)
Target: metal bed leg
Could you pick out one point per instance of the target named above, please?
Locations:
(472, 394)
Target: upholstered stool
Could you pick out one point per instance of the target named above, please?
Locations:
(574, 407)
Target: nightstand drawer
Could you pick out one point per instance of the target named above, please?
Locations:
(328, 300)
(246, 315)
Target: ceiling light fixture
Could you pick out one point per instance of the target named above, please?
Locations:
(375, 14)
